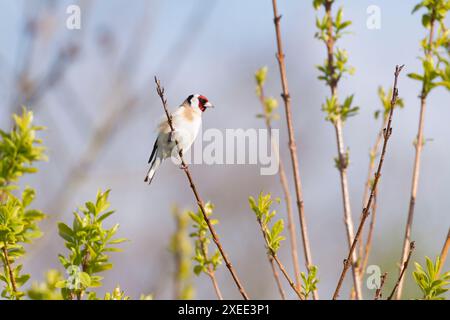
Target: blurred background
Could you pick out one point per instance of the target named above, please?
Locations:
(93, 88)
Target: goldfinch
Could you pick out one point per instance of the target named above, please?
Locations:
(186, 121)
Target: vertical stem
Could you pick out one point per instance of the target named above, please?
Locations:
(348, 220)
(8, 268)
(200, 204)
(212, 276)
(292, 144)
(416, 168)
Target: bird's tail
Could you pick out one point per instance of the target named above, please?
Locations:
(151, 172)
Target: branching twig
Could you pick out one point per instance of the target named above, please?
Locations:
(403, 270)
(185, 168)
(292, 144)
(366, 211)
(378, 294)
(277, 278)
(288, 278)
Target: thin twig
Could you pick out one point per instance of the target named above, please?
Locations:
(366, 210)
(277, 278)
(444, 251)
(212, 276)
(286, 192)
(292, 144)
(417, 159)
(342, 167)
(286, 275)
(8, 267)
(412, 246)
(378, 293)
(185, 168)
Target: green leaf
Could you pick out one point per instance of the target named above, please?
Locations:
(65, 232)
(85, 279)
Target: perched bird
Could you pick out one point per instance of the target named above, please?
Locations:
(186, 121)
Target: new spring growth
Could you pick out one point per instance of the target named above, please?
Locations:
(273, 237)
(335, 66)
(89, 244)
(206, 263)
(432, 284)
(264, 215)
(436, 66)
(18, 225)
(181, 248)
(270, 103)
(19, 150)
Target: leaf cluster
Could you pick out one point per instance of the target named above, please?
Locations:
(19, 149)
(435, 62)
(432, 284)
(262, 209)
(89, 243)
(205, 262)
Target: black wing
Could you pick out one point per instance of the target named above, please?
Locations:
(155, 147)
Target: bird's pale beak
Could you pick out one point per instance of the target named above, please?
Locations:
(208, 105)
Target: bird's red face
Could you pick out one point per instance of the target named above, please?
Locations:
(199, 101)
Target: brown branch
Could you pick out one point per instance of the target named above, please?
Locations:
(417, 160)
(386, 135)
(342, 167)
(412, 246)
(286, 275)
(292, 144)
(8, 267)
(444, 251)
(212, 276)
(277, 278)
(185, 168)
(286, 192)
(378, 294)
